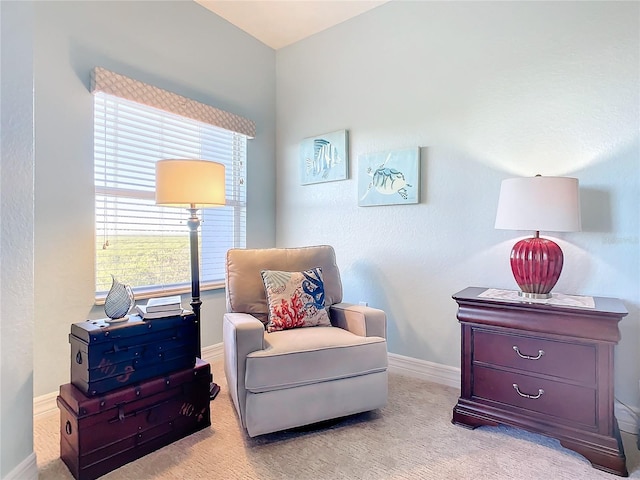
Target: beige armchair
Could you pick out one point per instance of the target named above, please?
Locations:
(289, 378)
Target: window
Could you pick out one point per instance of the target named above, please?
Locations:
(142, 244)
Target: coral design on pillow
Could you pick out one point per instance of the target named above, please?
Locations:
(296, 299)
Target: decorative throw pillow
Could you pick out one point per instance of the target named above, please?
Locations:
(296, 299)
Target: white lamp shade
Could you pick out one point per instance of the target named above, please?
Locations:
(539, 203)
(189, 182)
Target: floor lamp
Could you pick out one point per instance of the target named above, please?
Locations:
(192, 184)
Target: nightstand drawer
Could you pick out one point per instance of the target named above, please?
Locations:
(570, 361)
(566, 402)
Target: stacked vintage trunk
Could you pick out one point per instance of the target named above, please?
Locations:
(135, 386)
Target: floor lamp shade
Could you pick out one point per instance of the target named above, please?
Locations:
(538, 203)
(193, 184)
(190, 183)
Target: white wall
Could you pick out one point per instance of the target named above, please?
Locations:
(16, 242)
(175, 45)
(488, 90)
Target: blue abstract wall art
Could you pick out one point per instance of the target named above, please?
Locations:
(324, 158)
(389, 178)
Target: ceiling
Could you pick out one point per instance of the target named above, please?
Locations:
(281, 23)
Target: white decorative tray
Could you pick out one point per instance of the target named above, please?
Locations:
(556, 298)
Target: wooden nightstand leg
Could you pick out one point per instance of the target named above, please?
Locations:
(608, 456)
(610, 462)
(469, 419)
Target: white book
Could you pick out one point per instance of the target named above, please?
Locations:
(163, 304)
(146, 315)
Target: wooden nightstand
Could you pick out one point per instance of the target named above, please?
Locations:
(544, 368)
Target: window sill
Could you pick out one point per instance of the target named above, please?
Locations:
(151, 292)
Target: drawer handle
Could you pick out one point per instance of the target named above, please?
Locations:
(526, 395)
(528, 357)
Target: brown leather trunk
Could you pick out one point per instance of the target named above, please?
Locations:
(99, 434)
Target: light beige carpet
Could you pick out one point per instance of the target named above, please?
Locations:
(411, 438)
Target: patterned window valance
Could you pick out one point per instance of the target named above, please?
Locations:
(103, 80)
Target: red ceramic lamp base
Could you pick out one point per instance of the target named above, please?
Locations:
(536, 264)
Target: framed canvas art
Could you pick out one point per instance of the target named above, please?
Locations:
(389, 178)
(324, 158)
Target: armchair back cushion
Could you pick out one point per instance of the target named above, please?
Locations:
(245, 291)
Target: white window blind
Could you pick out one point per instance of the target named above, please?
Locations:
(142, 244)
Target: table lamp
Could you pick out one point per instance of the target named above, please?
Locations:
(192, 184)
(538, 203)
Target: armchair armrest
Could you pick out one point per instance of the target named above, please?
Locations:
(363, 321)
(242, 334)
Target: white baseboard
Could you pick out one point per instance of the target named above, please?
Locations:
(212, 353)
(424, 370)
(627, 418)
(450, 376)
(45, 404)
(411, 367)
(26, 470)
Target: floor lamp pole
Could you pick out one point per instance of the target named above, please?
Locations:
(196, 303)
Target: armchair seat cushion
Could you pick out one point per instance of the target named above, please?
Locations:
(303, 356)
